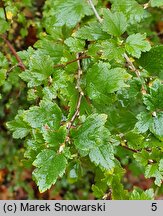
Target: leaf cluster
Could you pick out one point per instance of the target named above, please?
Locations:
(93, 96)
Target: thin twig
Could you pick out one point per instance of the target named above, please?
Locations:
(81, 93)
(77, 110)
(14, 66)
(10, 46)
(95, 11)
(12, 49)
(130, 149)
(131, 65)
(134, 69)
(4, 9)
(70, 62)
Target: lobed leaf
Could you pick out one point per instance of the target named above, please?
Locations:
(54, 138)
(154, 100)
(40, 68)
(152, 170)
(136, 43)
(93, 31)
(50, 166)
(74, 44)
(92, 139)
(18, 126)
(138, 194)
(131, 8)
(152, 61)
(112, 51)
(101, 80)
(114, 23)
(47, 113)
(70, 12)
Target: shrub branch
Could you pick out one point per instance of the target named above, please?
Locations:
(135, 70)
(10, 46)
(72, 61)
(95, 11)
(13, 51)
(131, 65)
(77, 110)
(81, 93)
(4, 9)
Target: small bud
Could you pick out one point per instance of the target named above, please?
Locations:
(154, 114)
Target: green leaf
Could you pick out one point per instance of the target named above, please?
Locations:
(92, 139)
(144, 122)
(152, 61)
(157, 127)
(100, 186)
(152, 170)
(32, 94)
(33, 148)
(70, 12)
(4, 25)
(142, 157)
(49, 48)
(152, 141)
(134, 140)
(131, 8)
(47, 113)
(101, 80)
(115, 126)
(161, 166)
(138, 194)
(26, 54)
(154, 100)
(91, 32)
(94, 50)
(156, 3)
(102, 156)
(97, 191)
(74, 171)
(88, 134)
(118, 120)
(2, 76)
(152, 120)
(40, 68)
(114, 23)
(3, 61)
(125, 95)
(61, 85)
(153, 123)
(112, 51)
(3, 68)
(118, 192)
(136, 43)
(50, 166)
(54, 138)
(75, 45)
(114, 182)
(19, 126)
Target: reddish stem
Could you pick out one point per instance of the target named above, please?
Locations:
(70, 62)
(12, 49)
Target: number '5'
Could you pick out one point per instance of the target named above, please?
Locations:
(154, 206)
